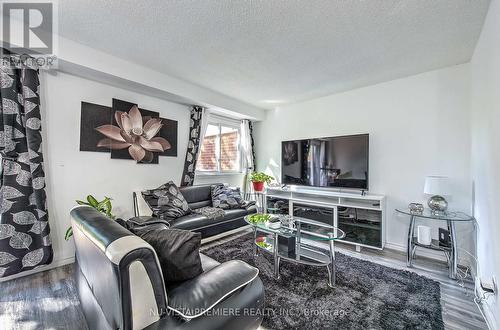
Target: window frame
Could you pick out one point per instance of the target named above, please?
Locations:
(220, 122)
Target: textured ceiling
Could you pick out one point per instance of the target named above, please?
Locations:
(272, 52)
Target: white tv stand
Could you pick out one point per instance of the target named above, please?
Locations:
(361, 216)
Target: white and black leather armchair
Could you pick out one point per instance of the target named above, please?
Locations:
(120, 284)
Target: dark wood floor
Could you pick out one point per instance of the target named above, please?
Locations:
(48, 300)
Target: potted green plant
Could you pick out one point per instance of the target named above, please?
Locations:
(103, 206)
(258, 179)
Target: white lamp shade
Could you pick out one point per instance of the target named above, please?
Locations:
(437, 185)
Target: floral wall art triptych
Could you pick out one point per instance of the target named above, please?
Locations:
(127, 132)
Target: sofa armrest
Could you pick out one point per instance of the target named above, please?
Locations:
(120, 272)
(247, 304)
(148, 220)
(141, 208)
(252, 208)
(195, 297)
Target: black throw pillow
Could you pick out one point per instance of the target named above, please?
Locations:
(167, 201)
(226, 198)
(178, 250)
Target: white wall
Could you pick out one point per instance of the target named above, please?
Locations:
(72, 174)
(485, 118)
(418, 126)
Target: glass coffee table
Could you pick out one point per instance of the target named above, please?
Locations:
(292, 239)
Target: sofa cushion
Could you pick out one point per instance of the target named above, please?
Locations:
(167, 201)
(195, 297)
(191, 221)
(197, 193)
(146, 221)
(226, 198)
(234, 214)
(195, 221)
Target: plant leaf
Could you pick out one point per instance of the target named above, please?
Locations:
(109, 207)
(69, 233)
(102, 204)
(79, 202)
(92, 201)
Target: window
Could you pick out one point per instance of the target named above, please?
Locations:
(220, 151)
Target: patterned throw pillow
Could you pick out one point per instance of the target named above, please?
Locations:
(226, 198)
(167, 201)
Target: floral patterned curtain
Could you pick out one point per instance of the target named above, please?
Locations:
(197, 127)
(24, 227)
(252, 142)
(247, 145)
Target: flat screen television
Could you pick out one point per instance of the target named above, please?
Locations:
(335, 162)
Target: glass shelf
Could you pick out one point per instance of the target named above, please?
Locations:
(434, 245)
(447, 216)
(289, 226)
(306, 254)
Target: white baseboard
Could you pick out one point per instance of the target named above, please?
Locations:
(53, 264)
(489, 316)
(485, 308)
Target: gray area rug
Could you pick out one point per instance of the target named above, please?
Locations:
(366, 296)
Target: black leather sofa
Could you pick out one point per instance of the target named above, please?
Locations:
(197, 196)
(120, 284)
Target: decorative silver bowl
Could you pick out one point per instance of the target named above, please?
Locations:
(438, 204)
(416, 208)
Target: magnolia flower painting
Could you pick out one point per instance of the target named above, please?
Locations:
(127, 132)
(131, 133)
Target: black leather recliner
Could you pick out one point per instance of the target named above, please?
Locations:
(198, 196)
(120, 284)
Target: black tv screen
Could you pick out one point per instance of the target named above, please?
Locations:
(337, 162)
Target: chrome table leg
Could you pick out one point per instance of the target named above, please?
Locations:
(276, 258)
(453, 251)
(297, 241)
(409, 248)
(256, 248)
(331, 267)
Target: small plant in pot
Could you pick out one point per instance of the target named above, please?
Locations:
(103, 206)
(258, 179)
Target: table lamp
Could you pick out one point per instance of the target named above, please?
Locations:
(437, 186)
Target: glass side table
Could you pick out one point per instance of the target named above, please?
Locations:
(449, 251)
